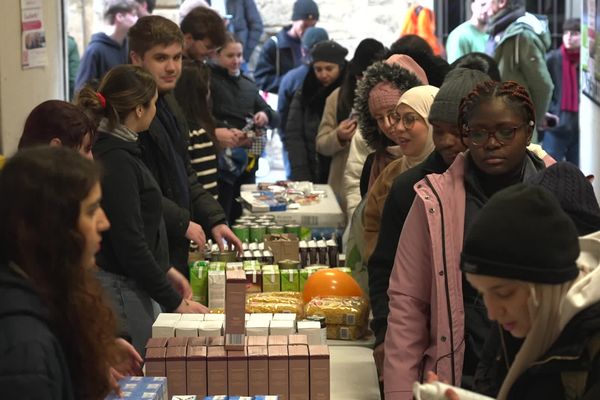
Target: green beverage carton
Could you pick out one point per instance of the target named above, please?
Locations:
(199, 281)
(251, 264)
(305, 273)
(216, 285)
(290, 280)
(237, 265)
(271, 280)
(345, 269)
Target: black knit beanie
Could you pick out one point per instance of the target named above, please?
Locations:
(366, 54)
(522, 233)
(458, 83)
(305, 9)
(329, 51)
(574, 193)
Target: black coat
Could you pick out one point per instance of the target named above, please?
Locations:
(136, 244)
(302, 127)
(381, 262)
(178, 212)
(236, 97)
(544, 380)
(32, 362)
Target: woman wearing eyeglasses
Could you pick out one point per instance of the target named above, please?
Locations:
(437, 321)
(412, 132)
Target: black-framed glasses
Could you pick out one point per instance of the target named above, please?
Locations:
(408, 119)
(504, 135)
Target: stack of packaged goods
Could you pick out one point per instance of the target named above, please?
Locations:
(346, 317)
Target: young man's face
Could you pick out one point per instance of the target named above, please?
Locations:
(200, 49)
(572, 40)
(127, 19)
(163, 62)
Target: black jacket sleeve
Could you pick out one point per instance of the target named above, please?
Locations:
(295, 141)
(265, 72)
(381, 262)
(205, 209)
(121, 201)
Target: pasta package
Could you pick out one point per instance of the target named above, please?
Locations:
(275, 302)
(345, 332)
(339, 310)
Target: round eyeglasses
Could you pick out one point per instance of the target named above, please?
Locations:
(504, 135)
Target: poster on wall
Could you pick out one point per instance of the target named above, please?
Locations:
(33, 35)
(590, 50)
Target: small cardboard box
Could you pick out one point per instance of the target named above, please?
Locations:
(282, 327)
(215, 341)
(297, 340)
(290, 280)
(277, 340)
(283, 246)
(176, 369)
(155, 361)
(192, 317)
(197, 341)
(186, 328)
(299, 372)
(156, 342)
(253, 280)
(216, 286)
(137, 387)
(257, 327)
(214, 317)
(271, 279)
(319, 372)
(196, 371)
(237, 372)
(216, 366)
(261, 316)
(164, 327)
(235, 310)
(312, 330)
(279, 371)
(258, 369)
(257, 341)
(210, 328)
(177, 341)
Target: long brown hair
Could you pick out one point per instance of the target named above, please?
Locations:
(121, 90)
(41, 190)
(192, 92)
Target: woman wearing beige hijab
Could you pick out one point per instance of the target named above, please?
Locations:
(412, 133)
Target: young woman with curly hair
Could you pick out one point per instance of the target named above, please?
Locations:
(57, 335)
(437, 320)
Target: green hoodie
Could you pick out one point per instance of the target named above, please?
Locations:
(521, 56)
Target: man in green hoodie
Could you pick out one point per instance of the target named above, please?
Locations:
(518, 42)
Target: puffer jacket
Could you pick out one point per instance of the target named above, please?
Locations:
(32, 361)
(426, 321)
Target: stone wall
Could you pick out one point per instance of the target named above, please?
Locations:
(347, 21)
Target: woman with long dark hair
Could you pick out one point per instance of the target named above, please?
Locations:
(57, 335)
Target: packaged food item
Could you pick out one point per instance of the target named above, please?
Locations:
(216, 285)
(320, 374)
(290, 280)
(199, 281)
(271, 281)
(138, 387)
(339, 310)
(275, 302)
(345, 332)
(305, 273)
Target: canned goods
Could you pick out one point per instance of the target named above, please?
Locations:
(242, 232)
(257, 233)
(292, 228)
(275, 229)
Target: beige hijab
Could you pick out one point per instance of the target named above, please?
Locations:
(419, 99)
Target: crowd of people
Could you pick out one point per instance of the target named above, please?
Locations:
(469, 225)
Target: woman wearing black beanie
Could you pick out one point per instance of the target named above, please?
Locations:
(325, 75)
(521, 254)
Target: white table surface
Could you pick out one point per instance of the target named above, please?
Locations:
(353, 373)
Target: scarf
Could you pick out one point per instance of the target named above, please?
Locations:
(570, 86)
(314, 93)
(120, 131)
(381, 160)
